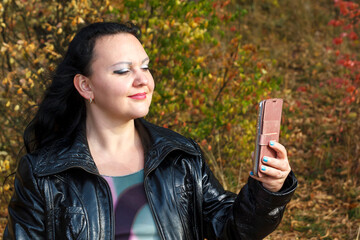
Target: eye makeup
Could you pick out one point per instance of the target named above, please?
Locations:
(122, 71)
(145, 67)
(125, 67)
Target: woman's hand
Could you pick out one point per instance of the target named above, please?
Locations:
(274, 170)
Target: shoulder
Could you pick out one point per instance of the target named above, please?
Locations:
(29, 163)
(46, 158)
(30, 160)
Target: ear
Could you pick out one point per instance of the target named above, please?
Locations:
(82, 85)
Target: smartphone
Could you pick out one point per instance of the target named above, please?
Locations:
(268, 129)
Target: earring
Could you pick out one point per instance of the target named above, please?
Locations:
(90, 100)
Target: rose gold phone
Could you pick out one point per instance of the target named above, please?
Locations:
(268, 129)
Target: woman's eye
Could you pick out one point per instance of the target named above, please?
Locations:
(122, 71)
(145, 67)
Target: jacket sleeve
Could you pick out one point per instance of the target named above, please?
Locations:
(26, 207)
(252, 214)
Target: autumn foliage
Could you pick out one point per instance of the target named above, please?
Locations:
(212, 62)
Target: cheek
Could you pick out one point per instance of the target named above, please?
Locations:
(109, 87)
(151, 83)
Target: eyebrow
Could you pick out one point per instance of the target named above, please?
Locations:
(129, 63)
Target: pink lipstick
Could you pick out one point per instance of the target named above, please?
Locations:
(138, 96)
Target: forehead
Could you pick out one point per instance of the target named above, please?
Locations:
(121, 46)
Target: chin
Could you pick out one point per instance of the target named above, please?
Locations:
(140, 114)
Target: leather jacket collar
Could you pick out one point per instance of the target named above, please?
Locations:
(62, 156)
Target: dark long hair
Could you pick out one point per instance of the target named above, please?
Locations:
(62, 109)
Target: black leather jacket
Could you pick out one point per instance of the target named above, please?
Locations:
(59, 194)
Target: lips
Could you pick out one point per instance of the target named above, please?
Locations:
(138, 96)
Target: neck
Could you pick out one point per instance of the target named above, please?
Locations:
(111, 137)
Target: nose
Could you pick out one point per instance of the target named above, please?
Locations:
(141, 77)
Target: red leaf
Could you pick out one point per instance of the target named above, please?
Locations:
(350, 89)
(337, 41)
(353, 5)
(353, 36)
(301, 89)
(336, 23)
(332, 22)
(349, 26)
(228, 126)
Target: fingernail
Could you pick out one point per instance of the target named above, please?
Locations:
(272, 143)
(263, 168)
(251, 173)
(266, 159)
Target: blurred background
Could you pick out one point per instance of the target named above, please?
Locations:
(213, 61)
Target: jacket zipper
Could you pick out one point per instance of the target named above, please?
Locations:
(109, 196)
(161, 158)
(151, 206)
(161, 233)
(112, 218)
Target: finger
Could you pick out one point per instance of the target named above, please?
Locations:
(279, 148)
(272, 184)
(281, 164)
(273, 172)
(255, 177)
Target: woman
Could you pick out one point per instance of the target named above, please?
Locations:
(96, 170)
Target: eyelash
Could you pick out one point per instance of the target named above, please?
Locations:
(126, 70)
(121, 72)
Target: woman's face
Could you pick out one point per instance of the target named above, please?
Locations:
(121, 82)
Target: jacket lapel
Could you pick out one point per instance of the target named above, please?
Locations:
(163, 142)
(158, 141)
(62, 156)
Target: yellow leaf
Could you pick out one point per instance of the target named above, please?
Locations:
(31, 103)
(16, 108)
(81, 20)
(40, 70)
(31, 82)
(8, 104)
(27, 74)
(3, 153)
(7, 165)
(3, 49)
(172, 23)
(19, 91)
(193, 24)
(200, 59)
